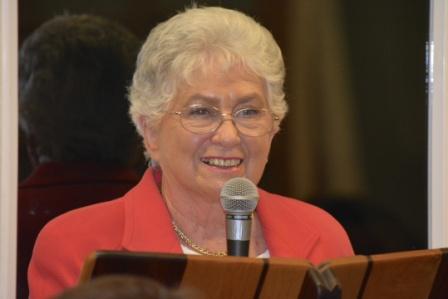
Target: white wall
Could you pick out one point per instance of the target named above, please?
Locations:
(8, 146)
(438, 126)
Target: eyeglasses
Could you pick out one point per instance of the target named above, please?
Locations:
(203, 119)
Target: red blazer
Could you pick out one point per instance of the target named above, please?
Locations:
(139, 221)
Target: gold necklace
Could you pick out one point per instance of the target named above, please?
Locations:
(193, 245)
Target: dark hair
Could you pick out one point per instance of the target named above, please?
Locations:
(124, 287)
(73, 75)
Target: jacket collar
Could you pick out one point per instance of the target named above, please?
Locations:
(147, 220)
(148, 223)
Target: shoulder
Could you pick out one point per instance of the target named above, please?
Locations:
(302, 220)
(296, 209)
(65, 242)
(100, 220)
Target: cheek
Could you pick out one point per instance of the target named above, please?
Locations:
(258, 155)
(261, 149)
(181, 145)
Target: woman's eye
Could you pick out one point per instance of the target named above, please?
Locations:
(200, 112)
(248, 112)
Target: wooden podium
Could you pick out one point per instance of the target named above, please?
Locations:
(419, 274)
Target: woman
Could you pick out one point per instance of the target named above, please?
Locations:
(207, 98)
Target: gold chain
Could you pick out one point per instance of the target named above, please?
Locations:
(193, 245)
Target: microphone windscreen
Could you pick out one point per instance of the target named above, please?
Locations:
(239, 196)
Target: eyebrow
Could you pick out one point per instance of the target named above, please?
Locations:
(252, 97)
(215, 100)
(203, 98)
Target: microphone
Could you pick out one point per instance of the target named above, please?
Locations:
(239, 198)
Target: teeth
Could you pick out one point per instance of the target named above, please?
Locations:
(222, 162)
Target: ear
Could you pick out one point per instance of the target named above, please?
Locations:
(150, 138)
(275, 130)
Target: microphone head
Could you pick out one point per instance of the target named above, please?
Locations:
(239, 196)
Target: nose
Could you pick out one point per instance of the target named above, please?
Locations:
(227, 133)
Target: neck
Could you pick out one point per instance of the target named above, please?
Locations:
(201, 218)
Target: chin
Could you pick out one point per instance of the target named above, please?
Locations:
(215, 185)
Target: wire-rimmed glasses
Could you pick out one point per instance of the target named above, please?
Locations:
(203, 119)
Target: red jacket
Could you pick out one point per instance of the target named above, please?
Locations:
(139, 221)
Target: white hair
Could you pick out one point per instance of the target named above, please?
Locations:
(190, 41)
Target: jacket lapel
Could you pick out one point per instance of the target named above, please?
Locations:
(285, 234)
(147, 220)
(148, 223)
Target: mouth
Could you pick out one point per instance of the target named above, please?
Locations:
(222, 163)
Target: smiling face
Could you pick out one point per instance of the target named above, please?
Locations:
(201, 164)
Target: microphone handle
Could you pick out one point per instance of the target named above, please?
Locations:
(238, 229)
(237, 248)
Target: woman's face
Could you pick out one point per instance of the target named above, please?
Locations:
(203, 163)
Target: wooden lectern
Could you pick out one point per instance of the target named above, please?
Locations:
(419, 274)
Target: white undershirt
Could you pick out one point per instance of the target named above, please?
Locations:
(187, 250)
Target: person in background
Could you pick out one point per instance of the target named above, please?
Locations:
(125, 287)
(73, 75)
(207, 98)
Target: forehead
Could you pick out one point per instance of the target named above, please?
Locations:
(220, 86)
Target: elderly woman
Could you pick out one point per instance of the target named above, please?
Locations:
(207, 98)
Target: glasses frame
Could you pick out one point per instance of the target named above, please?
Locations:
(227, 116)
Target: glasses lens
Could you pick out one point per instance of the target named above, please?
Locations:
(253, 121)
(200, 119)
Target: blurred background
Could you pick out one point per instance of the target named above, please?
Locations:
(355, 139)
